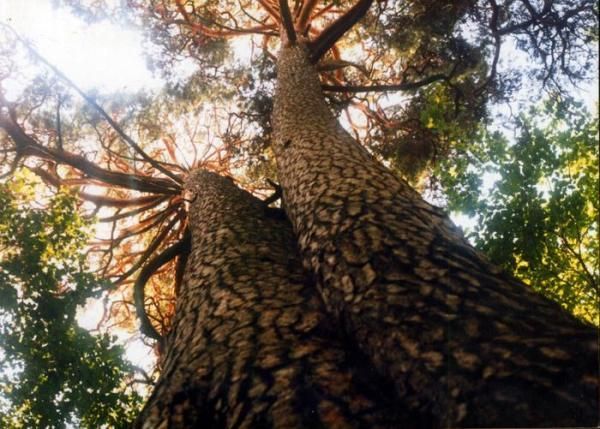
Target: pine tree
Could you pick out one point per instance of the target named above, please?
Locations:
(357, 304)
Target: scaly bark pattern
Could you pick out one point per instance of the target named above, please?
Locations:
(462, 342)
(250, 345)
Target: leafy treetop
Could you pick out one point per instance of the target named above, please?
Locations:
(53, 372)
(540, 218)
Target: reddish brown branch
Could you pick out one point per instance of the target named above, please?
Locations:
(147, 224)
(27, 146)
(199, 28)
(100, 200)
(270, 9)
(148, 271)
(156, 242)
(105, 115)
(324, 10)
(139, 210)
(305, 12)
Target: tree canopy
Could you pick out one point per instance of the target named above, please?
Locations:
(53, 371)
(415, 82)
(540, 218)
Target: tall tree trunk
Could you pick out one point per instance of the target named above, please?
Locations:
(250, 345)
(462, 342)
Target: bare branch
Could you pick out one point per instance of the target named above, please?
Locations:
(270, 10)
(118, 216)
(138, 289)
(305, 12)
(286, 22)
(147, 379)
(199, 28)
(154, 244)
(27, 146)
(405, 86)
(338, 28)
(99, 200)
(13, 167)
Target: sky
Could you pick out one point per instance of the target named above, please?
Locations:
(99, 55)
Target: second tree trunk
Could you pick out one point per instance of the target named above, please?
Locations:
(251, 345)
(462, 343)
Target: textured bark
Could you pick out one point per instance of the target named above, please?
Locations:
(251, 345)
(463, 344)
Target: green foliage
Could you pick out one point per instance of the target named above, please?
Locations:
(436, 125)
(540, 219)
(52, 372)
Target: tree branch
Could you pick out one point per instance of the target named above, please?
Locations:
(199, 28)
(27, 146)
(541, 18)
(276, 195)
(269, 9)
(334, 65)
(337, 29)
(99, 200)
(305, 12)
(154, 244)
(103, 113)
(59, 138)
(405, 86)
(118, 216)
(149, 269)
(182, 261)
(497, 44)
(286, 22)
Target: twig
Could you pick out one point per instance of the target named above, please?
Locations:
(275, 196)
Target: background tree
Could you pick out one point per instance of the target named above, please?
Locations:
(53, 371)
(540, 219)
(38, 127)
